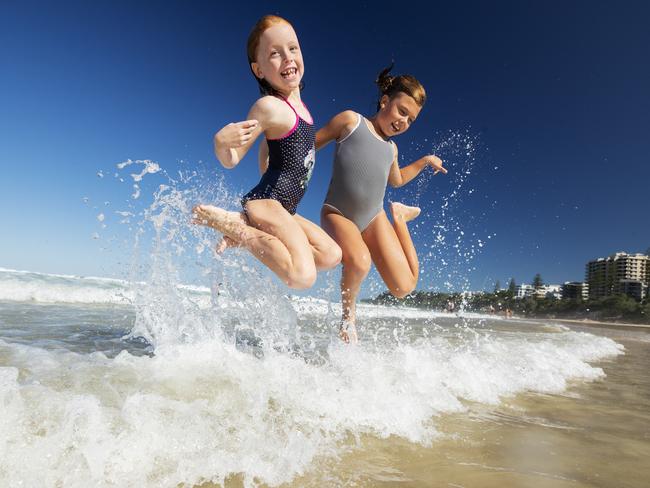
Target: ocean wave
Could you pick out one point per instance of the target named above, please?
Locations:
(28, 286)
(200, 412)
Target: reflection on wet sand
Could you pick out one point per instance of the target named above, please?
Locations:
(594, 435)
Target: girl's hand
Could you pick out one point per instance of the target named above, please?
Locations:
(436, 163)
(235, 134)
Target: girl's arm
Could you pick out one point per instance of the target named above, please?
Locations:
(234, 140)
(337, 128)
(401, 176)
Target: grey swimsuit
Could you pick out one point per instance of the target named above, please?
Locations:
(361, 166)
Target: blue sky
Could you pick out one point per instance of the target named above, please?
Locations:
(553, 96)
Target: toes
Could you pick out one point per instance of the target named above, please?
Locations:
(222, 245)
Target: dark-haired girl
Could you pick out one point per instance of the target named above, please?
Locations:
(365, 160)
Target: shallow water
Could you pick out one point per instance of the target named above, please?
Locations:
(426, 399)
(591, 435)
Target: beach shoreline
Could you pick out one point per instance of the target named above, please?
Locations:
(594, 323)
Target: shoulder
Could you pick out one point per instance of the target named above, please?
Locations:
(395, 152)
(271, 111)
(342, 125)
(266, 105)
(347, 117)
(344, 121)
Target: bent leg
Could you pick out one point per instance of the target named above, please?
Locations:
(392, 250)
(273, 237)
(327, 253)
(356, 264)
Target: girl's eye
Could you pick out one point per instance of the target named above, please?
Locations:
(403, 113)
(294, 48)
(274, 53)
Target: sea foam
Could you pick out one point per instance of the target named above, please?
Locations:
(203, 411)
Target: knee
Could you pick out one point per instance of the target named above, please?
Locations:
(331, 257)
(358, 263)
(302, 279)
(403, 288)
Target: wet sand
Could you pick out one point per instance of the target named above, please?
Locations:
(596, 323)
(594, 435)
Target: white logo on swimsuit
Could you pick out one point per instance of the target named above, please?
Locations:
(308, 163)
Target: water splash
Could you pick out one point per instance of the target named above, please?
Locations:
(247, 307)
(449, 231)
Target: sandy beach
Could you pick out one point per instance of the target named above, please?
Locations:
(596, 323)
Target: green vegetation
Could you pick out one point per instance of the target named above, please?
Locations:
(617, 307)
(512, 287)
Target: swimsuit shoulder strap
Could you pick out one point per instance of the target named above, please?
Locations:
(287, 102)
(359, 118)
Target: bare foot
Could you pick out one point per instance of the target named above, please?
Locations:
(403, 212)
(348, 332)
(225, 243)
(228, 223)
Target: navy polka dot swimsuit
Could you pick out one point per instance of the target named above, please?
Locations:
(291, 162)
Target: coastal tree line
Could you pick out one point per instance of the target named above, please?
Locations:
(616, 307)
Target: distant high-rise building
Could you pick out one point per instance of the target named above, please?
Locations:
(634, 288)
(620, 273)
(573, 290)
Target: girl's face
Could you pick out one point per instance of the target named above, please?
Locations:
(397, 114)
(279, 60)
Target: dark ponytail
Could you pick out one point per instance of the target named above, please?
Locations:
(392, 85)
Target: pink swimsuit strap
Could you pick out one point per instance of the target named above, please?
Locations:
(295, 126)
(294, 110)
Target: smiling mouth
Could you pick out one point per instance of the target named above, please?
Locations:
(395, 127)
(289, 73)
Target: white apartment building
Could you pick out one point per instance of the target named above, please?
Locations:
(524, 291)
(545, 291)
(550, 291)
